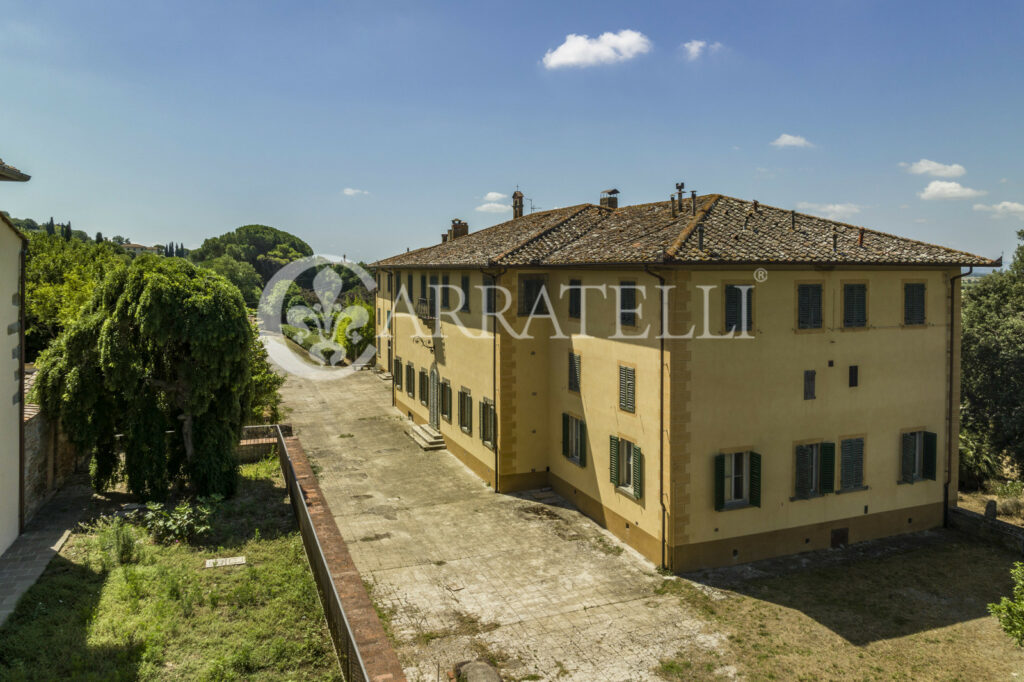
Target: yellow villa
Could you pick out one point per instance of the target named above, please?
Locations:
(713, 380)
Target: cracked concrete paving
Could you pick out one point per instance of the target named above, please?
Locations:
(524, 579)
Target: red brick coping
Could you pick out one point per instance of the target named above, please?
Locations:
(367, 634)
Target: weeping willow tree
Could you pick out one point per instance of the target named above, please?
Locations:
(160, 355)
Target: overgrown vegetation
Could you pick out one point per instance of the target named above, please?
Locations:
(160, 347)
(1009, 611)
(116, 605)
(992, 357)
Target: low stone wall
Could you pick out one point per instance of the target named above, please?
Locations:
(988, 529)
(363, 647)
(49, 460)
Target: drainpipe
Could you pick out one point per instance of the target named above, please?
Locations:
(21, 386)
(494, 376)
(949, 400)
(661, 411)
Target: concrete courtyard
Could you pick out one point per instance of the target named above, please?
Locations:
(459, 572)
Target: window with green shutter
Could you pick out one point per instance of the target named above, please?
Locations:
(855, 305)
(627, 389)
(737, 480)
(465, 410)
(446, 400)
(814, 470)
(627, 304)
(445, 295)
(410, 380)
(531, 295)
(809, 381)
(918, 456)
(396, 373)
(465, 294)
(808, 306)
(574, 439)
(739, 308)
(488, 422)
(574, 372)
(851, 464)
(626, 466)
(574, 298)
(424, 387)
(913, 303)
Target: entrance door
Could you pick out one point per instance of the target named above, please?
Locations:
(435, 399)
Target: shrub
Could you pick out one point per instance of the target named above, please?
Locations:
(1006, 489)
(1010, 611)
(184, 523)
(116, 541)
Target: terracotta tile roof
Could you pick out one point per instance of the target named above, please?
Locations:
(721, 230)
(11, 173)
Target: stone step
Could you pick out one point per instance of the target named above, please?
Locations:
(425, 442)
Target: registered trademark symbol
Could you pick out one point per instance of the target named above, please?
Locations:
(760, 275)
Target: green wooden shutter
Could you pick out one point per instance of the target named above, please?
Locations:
(732, 308)
(827, 484)
(579, 371)
(565, 434)
(638, 473)
(855, 305)
(613, 459)
(928, 461)
(809, 376)
(465, 293)
(804, 467)
(719, 482)
(908, 455)
(483, 421)
(627, 389)
(803, 306)
(755, 480)
(913, 303)
(445, 296)
(583, 442)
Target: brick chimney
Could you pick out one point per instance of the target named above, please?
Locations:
(517, 204)
(458, 229)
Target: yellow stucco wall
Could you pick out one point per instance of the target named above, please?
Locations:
(10, 411)
(718, 395)
(748, 395)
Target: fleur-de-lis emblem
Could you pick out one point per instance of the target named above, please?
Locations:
(319, 323)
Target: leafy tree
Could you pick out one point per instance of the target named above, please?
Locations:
(242, 275)
(50, 229)
(265, 248)
(99, 237)
(266, 400)
(119, 240)
(66, 232)
(59, 278)
(1010, 611)
(355, 328)
(992, 359)
(161, 346)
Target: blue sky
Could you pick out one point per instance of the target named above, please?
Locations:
(181, 120)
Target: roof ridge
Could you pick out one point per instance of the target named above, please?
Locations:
(709, 201)
(540, 233)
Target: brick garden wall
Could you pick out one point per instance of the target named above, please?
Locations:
(49, 460)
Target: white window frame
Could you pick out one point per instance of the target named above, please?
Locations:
(576, 444)
(730, 478)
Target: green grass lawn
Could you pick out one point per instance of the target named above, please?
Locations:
(156, 613)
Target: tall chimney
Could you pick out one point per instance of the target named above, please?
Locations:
(458, 229)
(517, 204)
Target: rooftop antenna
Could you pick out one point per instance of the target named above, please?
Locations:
(532, 207)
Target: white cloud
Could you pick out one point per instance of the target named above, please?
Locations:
(495, 196)
(353, 192)
(947, 189)
(493, 207)
(1003, 181)
(786, 140)
(831, 211)
(939, 170)
(1002, 209)
(607, 48)
(695, 48)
